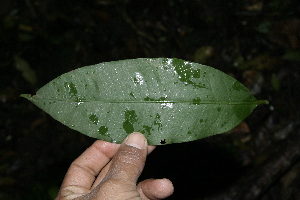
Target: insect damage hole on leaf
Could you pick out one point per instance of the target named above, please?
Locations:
(163, 141)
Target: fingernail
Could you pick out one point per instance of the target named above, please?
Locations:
(136, 140)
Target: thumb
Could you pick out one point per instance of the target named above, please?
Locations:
(129, 161)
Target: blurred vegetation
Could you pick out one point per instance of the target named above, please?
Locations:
(256, 41)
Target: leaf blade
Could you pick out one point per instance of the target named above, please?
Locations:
(165, 99)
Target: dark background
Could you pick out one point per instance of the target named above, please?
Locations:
(255, 41)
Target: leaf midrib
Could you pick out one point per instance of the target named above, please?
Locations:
(159, 102)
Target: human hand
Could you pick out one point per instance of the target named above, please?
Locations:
(110, 171)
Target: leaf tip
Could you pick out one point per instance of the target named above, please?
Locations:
(27, 96)
(263, 102)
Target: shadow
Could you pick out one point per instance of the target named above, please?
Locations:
(197, 169)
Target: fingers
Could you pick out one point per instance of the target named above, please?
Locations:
(129, 161)
(155, 189)
(89, 172)
(106, 168)
(86, 167)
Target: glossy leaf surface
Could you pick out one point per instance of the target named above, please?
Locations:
(168, 100)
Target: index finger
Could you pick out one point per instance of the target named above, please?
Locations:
(87, 166)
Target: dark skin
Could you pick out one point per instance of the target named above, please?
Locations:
(110, 171)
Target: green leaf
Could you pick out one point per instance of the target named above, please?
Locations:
(168, 100)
